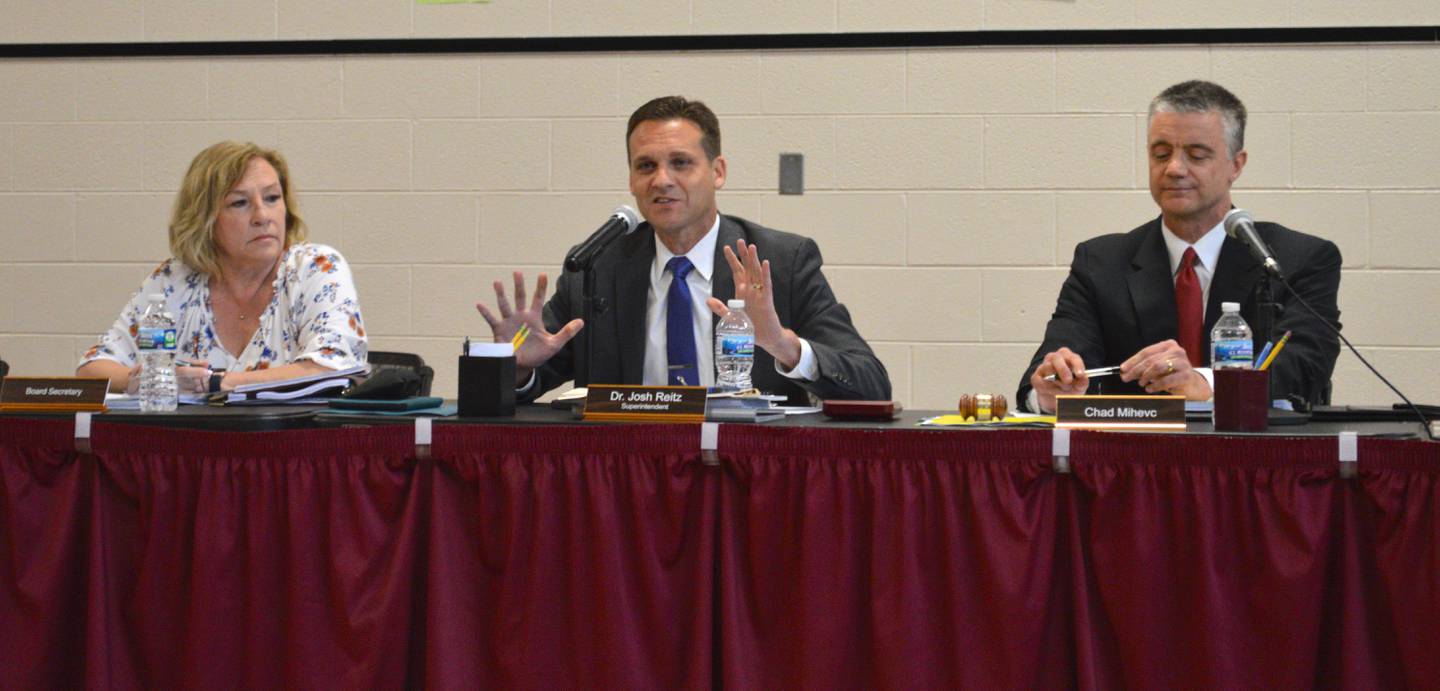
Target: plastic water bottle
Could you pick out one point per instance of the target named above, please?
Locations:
(734, 348)
(156, 340)
(1232, 345)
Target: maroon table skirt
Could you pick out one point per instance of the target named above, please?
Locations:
(613, 557)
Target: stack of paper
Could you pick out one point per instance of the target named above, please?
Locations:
(730, 407)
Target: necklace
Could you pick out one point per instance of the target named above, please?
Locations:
(241, 307)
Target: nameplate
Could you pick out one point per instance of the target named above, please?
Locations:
(53, 393)
(1121, 412)
(645, 403)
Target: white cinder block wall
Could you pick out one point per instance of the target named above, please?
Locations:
(947, 187)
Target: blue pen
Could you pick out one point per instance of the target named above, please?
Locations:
(1264, 351)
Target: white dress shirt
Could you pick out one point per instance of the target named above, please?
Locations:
(701, 283)
(702, 256)
(1207, 253)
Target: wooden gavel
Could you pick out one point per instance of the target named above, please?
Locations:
(983, 407)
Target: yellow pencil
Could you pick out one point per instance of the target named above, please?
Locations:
(520, 336)
(1275, 351)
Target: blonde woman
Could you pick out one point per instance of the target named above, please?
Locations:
(253, 301)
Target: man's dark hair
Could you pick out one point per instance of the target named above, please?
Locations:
(677, 107)
(1197, 96)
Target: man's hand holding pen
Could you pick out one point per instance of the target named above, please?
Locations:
(1061, 372)
(1159, 368)
(1165, 368)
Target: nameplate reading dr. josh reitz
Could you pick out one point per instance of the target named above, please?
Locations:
(645, 403)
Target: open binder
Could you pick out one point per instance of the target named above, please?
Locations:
(314, 388)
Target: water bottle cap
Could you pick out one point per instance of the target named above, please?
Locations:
(1229, 307)
(735, 304)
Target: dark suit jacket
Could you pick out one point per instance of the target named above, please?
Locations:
(803, 300)
(1120, 298)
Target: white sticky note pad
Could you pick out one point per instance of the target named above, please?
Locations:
(491, 350)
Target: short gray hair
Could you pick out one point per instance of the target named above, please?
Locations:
(1197, 96)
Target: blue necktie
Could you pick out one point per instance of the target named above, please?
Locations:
(683, 368)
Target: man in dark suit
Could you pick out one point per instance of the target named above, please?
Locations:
(1147, 300)
(657, 331)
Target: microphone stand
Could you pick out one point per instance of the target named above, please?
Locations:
(1267, 311)
(594, 305)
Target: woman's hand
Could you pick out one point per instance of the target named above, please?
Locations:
(132, 384)
(192, 379)
(189, 379)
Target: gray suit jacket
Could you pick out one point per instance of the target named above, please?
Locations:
(1119, 298)
(803, 300)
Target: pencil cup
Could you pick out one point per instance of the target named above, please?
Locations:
(1242, 400)
(487, 385)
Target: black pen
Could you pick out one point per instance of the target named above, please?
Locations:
(465, 349)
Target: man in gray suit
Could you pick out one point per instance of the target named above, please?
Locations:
(656, 331)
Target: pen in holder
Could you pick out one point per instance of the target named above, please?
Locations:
(487, 381)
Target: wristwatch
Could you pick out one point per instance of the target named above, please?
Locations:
(215, 377)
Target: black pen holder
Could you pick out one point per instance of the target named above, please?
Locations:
(487, 386)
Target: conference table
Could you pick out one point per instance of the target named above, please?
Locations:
(291, 548)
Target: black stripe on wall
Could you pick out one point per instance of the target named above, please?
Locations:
(602, 44)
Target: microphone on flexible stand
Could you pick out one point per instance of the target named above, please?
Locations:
(623, 221)
(1239, 225)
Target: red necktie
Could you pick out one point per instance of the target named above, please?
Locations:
(1188, 307)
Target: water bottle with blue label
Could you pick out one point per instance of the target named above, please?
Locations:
(156, 341)
(734, 348)
(1232, 344)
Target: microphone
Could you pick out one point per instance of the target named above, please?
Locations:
(623, 221)
(1239, 225)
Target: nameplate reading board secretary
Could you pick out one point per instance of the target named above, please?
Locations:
(53, 393)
